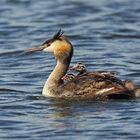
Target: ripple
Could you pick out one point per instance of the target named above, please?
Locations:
(120, 36)
(105, 36)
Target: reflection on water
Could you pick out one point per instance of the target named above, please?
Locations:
(105, 35)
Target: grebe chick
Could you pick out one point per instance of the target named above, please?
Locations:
(68, 77)
(137, 92)
(79, 67)
(85, 86)
(132, 87)
(129, 85)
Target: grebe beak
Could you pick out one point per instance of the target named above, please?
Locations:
(46, 44)
(73, 68)
(35, 49)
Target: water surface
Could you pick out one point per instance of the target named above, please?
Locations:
(105, 36)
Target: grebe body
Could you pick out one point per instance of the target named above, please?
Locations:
(89, 85)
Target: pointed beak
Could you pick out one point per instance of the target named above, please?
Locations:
(73, 68)
(35, 49)
(63, 78)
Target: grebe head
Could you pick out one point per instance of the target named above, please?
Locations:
(59, 45)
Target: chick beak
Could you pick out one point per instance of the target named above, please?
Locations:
(73, 68)
(35, 49)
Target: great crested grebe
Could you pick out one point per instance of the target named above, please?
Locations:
(89, 85)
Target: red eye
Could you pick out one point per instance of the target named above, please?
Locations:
(48, 44)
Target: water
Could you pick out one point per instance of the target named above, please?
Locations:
(105, 35)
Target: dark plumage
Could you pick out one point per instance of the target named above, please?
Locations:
(91, 85)
(55, 37)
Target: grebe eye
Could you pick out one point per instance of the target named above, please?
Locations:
(48, 44)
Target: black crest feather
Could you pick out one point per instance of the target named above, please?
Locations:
(57, 35)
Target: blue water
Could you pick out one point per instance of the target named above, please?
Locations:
(105, 35)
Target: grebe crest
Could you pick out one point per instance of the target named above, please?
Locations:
(58, 45)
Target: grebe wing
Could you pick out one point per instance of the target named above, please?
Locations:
(93, 85)
(104, 76)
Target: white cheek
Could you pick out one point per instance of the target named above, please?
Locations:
(49, 48)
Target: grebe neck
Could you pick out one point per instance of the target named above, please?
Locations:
(54, 80)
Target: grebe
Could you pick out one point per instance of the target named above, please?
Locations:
(81, 68)
(89, 85)
(68, 77)
(78, 67)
